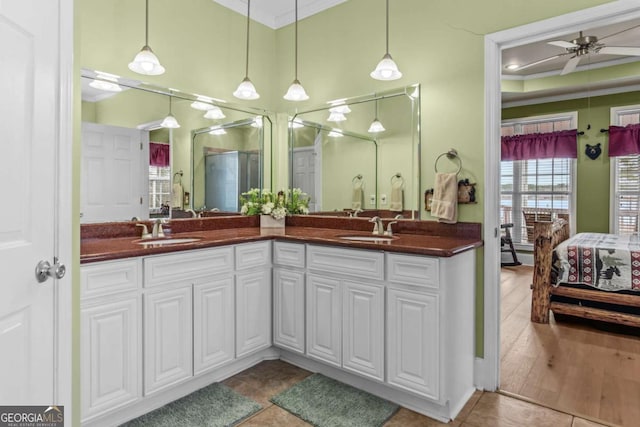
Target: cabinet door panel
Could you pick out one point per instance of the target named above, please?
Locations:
(253, 311)
(413, 342)
(288, 304)
(363, 329)
(324, 319)
(110, 355)
(213, 323)
(168, 338)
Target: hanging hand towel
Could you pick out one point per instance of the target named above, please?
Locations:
(397, 194)
(356, 195)
(177, 196)
(444, 204)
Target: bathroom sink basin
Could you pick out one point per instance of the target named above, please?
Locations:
(373, 239)
(163, 242)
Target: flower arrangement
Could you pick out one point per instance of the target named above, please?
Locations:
(278, 205)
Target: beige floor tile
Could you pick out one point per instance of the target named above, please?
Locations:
(496, 410)
(407, 418)
(581, 422)
(274, 416)
(265, 380)
(468, 407)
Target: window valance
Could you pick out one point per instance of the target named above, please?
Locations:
(561, 144)
(158, 154)
(624, 140)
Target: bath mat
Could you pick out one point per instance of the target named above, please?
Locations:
(325, 402)
(215, 406)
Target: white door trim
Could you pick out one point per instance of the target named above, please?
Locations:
(66, 211)
(488, 368)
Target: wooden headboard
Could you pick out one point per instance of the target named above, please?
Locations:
(547, 235)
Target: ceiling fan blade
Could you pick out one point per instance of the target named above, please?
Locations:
(618, 32)
(562, 43)
(620, 50)
(570, 66)
(540, 61)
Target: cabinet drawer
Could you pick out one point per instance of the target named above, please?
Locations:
(413, 270)
(187, 265)
(109, 277)
(291, 254)
(252, 255)
(351, 262)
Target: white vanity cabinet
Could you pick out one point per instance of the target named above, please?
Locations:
(253, 297)
(345, 309)
(111, 333)
(288, 296)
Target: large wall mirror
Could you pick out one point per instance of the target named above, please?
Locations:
(134, 166)
(359, 156)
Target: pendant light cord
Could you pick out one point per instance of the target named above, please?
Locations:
(246, 72)
(296, 44)
(387, 27)
(146, 23)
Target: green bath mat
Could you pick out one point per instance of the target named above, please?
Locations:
(325, 402)
(213, 406)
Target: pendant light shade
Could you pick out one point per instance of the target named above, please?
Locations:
(146, 62)
(386, 68)
(214, 113)
(170, 122)
(376, 125)
(296, 92)
(246, 89)
(335, 116)
(105, 81)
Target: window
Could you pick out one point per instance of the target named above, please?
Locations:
(536, 189)
(625, 179)
(159, 188)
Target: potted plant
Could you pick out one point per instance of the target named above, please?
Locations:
(274, 207)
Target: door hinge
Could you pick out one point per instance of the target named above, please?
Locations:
(141, 146)
(495, 232)
(140, 200)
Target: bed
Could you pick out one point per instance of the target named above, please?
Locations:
(593, 276)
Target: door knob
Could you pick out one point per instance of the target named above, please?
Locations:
(44, 270)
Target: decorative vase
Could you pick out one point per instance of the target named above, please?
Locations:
(269, 222)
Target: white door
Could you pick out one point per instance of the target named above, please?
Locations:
(288, 309)
(115, 173)
(168, 354)
(324, 319)
(253, 311)
(304, 174)
(213, 328)
(363, 329)
(413, 342)
(35, 118)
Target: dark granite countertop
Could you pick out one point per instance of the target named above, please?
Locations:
(97, 245)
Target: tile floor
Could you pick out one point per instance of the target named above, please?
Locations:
(483, 409)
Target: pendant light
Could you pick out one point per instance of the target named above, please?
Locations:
(170, 122)
(376, 125)
(246, 89)
(387, 68)
(105, 81)
(214, 113)
(146, 62)
(296, 92)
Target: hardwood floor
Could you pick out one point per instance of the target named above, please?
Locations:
(575, 366)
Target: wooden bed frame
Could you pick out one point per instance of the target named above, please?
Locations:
(547, 235)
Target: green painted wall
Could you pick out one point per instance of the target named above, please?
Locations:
(592, 212)
(438, 43)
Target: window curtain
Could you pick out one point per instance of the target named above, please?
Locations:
(624, 140)
(562, 144)
(158, 154)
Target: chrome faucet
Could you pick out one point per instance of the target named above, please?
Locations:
(389, 231)
(399, 216)
(157, 228)
(193, 213)
(356, 212)
(378, 227)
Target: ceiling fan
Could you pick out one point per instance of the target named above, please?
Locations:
(585, 45)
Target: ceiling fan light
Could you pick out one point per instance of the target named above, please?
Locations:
(214, 113)
(170, 122)
(246, 90)
(296, 92)
(386, 69)
(146, 62)
(376, 126)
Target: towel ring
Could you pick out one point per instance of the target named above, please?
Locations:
(397, 177)
(357, 178)
(451, 154)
